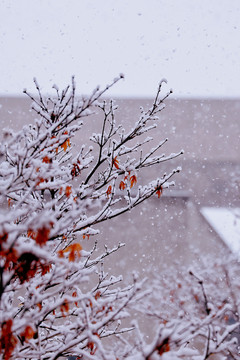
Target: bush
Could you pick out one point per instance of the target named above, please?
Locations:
(56, 299)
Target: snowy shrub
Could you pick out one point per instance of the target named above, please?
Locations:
(56, 299)
(200, 308)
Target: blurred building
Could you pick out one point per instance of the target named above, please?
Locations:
(187, 217)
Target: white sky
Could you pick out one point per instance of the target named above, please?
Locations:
(195, 44)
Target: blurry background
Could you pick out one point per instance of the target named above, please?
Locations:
(196, 46)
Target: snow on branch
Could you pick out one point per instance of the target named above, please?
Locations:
(56, 299)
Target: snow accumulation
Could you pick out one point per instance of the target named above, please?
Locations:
(226, 223)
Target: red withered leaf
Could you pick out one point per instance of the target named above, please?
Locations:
(3, 239)
(40, 180)
(46, 160)
(39, 305)
(75, 170)
(42, 236)
(64, 308)
(27, 334)
(66, 144)
(7, 341)
(74, 294)
(61, 253)
(45, 268)
(133, 180)
(68, 191)
(164, 347)
(86, 235)
(116, 163)
(10, 202)
(31, 233)
(159, 191)
(122, 185)
(109, 190)
(97, 295)
(11, 257)
(74, 251)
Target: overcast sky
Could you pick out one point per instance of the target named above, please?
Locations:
(195, 44)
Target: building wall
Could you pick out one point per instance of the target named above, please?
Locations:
(171, 228)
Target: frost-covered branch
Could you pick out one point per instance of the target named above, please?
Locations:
(55, 298)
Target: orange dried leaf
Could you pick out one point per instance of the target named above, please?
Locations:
(8, 341)
(133, 180)
(96, 334)
(92, 347)
(46, 160)
(68, 191)
(32, 234)
(196, 298)
(40, 180)
(164, 347)
(109, 190)
(74, 294)
(97, 295)
(126, 176)
(86, 235)
(64, 308)
(46, 268)
(159, 191)
(226, 318)
(122, 185)
(116, 163)
(74, 250)
(11, 257)
(61, 253)
(66, 144)
(28, 333)
(75, 170)
(42, 236)
(9, 202)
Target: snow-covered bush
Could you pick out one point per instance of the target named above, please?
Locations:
(55, 298)
(200, 308)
